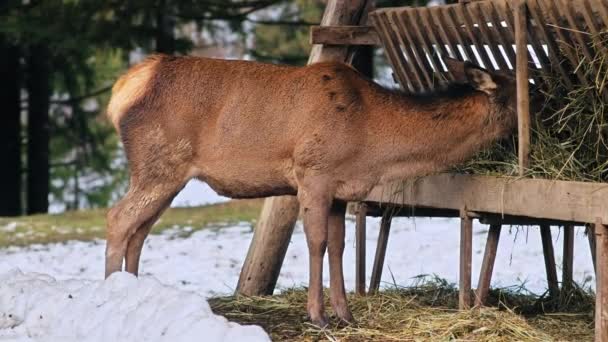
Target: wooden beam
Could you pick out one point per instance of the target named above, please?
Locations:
(466, 256)
(377, 210)
(360, 233)
(568, 258)
(487, 265)
(549, 255)
(385, 227)
(344, 35)
(601, 276)
(279, 214)
(521, 69)
(511, 220)
(535, 198)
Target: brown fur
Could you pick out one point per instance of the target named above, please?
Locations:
(321, 132)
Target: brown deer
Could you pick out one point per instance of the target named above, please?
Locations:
(322, 132)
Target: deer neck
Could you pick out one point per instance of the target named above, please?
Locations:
(420, 136)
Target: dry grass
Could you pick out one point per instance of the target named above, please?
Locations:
(569, 138)
(423, 313)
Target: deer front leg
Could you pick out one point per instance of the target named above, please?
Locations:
(336, 251)
(316, 207)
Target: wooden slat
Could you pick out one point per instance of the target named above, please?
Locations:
(435, 15)
(587, 12)
(466, 257)
(391, 47)
(489, 38)
(549, 256)
(410, 19)
(602, 7)
(487, 265)
(601, 285)
(538, 198)
(385, 228)
(568, 258)
(532, 41)
(583, 43)
(407, 43)
(464, 18)
(344, 35)
(431, 29)
(490, 14)
(448, 17)
(549, 13)
(541, 29)
(426, 22)
(523, 100)
(360, 233)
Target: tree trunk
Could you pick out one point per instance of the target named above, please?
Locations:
(10, 130)
(39, 91)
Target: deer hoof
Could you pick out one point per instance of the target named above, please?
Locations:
(346, 317)
(320, 321)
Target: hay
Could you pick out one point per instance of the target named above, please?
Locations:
(421, 313)
(569, 137)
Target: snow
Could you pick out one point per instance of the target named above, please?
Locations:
(209, 261)
(37, 307)
(197, 193)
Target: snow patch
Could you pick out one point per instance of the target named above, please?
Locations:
(37, 307)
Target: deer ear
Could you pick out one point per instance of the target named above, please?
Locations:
(479, 78)
(456, 68)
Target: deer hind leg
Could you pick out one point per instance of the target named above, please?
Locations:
(160, 164)
(136, 242)
(129, 222)
(335, 251)
(316, 207)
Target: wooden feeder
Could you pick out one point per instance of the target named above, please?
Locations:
(546, 35)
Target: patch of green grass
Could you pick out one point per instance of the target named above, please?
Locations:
(86, 225)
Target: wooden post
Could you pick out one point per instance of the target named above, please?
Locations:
(360, 228)
(545, 235)
(601, 278)
(487, 266)
(268, 246)
(466, 256)
(279, 214)
(521, 69)
(385, 227)
(568, 256)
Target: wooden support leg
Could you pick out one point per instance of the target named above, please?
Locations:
(361, 215)
(487, 266)
(568, 257)
(591, 238)
(601, 278)
(268, 247)
(466, 256)
(545, 234)
(385, 227)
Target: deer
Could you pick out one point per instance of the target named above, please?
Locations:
(323, 132)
